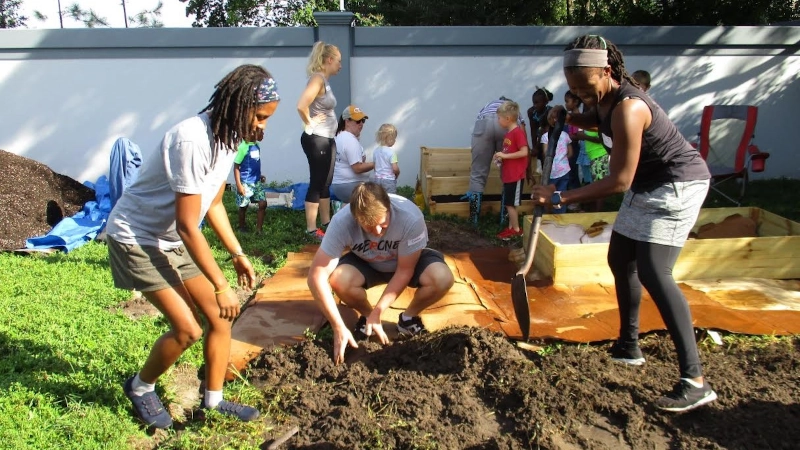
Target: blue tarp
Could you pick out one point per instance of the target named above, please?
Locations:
(72, 232)
(300, 190)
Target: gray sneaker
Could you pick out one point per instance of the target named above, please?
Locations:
(148, 407)
(686, 396)
(629, 354)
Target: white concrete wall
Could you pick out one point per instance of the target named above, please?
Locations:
(64, 104)
(434, 100)
(68, 113)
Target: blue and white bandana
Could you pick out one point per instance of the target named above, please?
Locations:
(268, 91)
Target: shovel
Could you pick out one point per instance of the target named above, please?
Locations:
(519, 291)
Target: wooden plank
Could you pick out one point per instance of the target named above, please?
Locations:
(446, 171)
(771, 224)
(461, 209)
(775, 256)
(460, 184)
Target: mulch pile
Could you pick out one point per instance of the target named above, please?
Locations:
(33, 199)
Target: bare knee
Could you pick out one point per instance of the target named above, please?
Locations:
(187, 337)
(344, 278)
(439, 277)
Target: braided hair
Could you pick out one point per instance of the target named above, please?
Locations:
(615, 60)
(232, 104)
(543, 92)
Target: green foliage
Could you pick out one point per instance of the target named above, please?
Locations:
(222, 13)
(406, 191)
(148, 18)
(89, 17)
(10, 16)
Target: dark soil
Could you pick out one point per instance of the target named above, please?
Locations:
(466, 388)
(33, 199)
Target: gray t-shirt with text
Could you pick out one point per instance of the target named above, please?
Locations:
(185, 163)
(405, 235)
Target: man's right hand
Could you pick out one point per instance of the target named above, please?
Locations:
(342, 337)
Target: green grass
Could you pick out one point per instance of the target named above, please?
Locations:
(65, 351)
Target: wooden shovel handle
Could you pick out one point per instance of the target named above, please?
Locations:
(533, 233)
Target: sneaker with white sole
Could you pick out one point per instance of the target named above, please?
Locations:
(624, 353)
(242, 412)
(411, 327)
(686, 396)
(148, 407)
(360, 330)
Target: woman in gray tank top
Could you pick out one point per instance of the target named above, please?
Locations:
(665, 183)
(315, 107)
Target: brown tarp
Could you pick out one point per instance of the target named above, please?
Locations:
(283, 310)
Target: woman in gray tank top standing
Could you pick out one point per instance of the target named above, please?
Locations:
(315, 107)
(665, 181)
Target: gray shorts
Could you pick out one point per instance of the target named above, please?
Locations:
(373, 277)
(342, 191)
(389, 185)
(662, 213)
(147, 268)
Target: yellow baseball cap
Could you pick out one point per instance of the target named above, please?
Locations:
(353, 112)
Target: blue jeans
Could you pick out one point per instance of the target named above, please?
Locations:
(562, 183)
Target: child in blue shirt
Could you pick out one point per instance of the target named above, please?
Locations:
(249, 185)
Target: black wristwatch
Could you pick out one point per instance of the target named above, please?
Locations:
(555, 199)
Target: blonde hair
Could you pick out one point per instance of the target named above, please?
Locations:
(385, 132)
(369, 203)
(320, 52)
(508, 109)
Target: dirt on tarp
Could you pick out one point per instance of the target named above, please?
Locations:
(467, 388)
(33, 199)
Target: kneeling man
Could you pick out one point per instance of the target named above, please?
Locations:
(386, 235)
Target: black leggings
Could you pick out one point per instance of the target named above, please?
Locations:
(636, 264)
(321, 153)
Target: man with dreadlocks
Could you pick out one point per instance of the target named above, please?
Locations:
(665, 182)
(155, 245)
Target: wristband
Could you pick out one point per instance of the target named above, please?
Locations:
(236, 254)
(222, 290)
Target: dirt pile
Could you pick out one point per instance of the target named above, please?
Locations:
(33, 198)
(465, 388)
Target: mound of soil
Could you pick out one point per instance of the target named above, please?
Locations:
(33, 199)
(466, 388)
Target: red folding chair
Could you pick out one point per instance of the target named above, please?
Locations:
(726, 144)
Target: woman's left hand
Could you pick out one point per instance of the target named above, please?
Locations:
(541, 194)
(244, 271)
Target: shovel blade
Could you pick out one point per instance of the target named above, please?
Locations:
(519, 298)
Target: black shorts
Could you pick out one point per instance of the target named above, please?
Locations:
(512, 193)
(373, 277)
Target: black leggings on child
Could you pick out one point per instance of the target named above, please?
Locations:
(636, 264)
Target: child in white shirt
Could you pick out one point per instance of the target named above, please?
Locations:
(385, 158)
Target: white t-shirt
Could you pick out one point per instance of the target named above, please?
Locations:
(186, 162)
(407, 233)
(348, 152)
(384, 157)
(560, 162)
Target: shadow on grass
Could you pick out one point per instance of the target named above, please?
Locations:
(32, 365)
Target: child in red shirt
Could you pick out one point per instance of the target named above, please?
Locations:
(514, 162)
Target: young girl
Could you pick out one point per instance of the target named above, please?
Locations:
(537, 117)
(559, 172)
(580, 169)
(385, 158)
(156, 247)
(665, 181)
